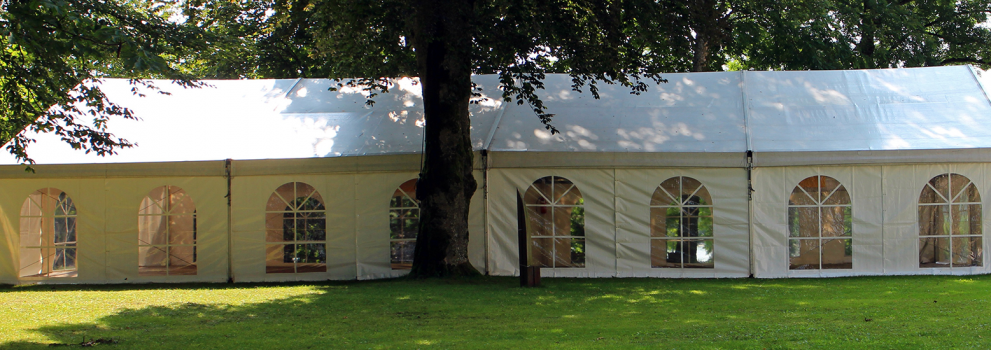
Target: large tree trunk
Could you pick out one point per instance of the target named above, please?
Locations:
(443, 42)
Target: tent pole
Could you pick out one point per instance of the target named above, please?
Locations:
(230, 236)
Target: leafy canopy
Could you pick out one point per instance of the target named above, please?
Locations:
(54, 52)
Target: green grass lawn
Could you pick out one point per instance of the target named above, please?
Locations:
(876, 312)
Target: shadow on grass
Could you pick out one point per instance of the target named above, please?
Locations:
(329, 315)
(495, 312)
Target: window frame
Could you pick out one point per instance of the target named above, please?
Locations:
(793, 241)
(952, 205)
(552, 205)
(167, 215)
(293, 207)
(47, 221)
(393, 241)
(681, 239)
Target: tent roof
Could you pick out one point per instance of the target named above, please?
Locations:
(939, 108)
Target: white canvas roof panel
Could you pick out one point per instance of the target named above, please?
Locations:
(887, 109)
(807, 113)
(700, 112)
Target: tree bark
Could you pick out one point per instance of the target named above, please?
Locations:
(442, 37)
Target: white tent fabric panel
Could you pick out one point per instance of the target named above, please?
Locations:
(341, 124)
(90, 262)
(772, 188)
(252, 194)
(123, 199)
(903, 186)
(357, 209)
(808, 112)
(697, 112)
(634, 188)
(885, 109)
(371, 206)
(596, 186)
(106, 227)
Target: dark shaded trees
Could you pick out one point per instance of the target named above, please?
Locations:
(445, 42)
(828, 34)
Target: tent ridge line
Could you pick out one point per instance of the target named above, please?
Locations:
(293, 87)
(980, 84)
(495, 126)
(746, 110)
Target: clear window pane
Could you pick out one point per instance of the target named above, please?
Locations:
(698, 253)
(279, 258)
(402, 254)
(658, 222)
(838, 197)
(182, 260)
(543, 252)
(967, 251)
(957, 185)
(929, 195)
(153, 261)
(803, 222)
(661, 197)
(803, 254)
(836, 221)
(541, 220)
(659, 253)
(837, 254)
(806, 193)
(941, 184)
(570, 252)
(934, 252)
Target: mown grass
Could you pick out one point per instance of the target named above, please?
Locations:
(875, 312)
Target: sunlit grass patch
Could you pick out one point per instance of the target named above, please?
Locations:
(886, 312)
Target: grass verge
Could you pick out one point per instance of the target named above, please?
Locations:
(490, 312)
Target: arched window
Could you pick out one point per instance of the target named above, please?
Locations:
(167, 233)
(950, 223)
(296, 230)
(404, 223)
(48, 235)
(681, 225)
(820, 225)
(557, 217)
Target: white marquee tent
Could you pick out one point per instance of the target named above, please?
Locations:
(728, 174)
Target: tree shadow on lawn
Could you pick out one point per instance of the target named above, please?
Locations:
(329, 315)
(495, 312)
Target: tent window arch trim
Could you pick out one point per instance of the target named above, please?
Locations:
(950, 223)
(48, 236)
(820, 225)
(296, 230)
(404, 224)
(556, 211)
(681, 225)
(167, 233)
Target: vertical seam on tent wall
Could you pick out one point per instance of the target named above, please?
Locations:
(106, 255)
(750, 212)
(485, 211)
(746, 109)
(615, 224)
(884, 219)
(980, 84)
(749, 168)
(354, 223)
(495, 126)
(229, 175)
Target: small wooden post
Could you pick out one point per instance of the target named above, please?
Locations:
(529, 274)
